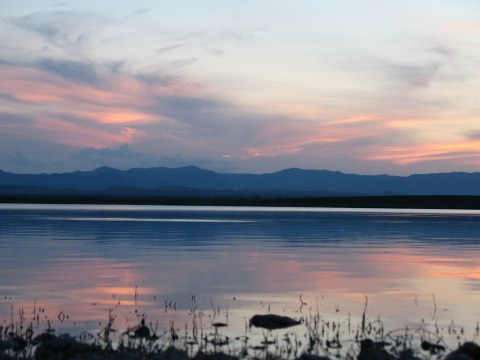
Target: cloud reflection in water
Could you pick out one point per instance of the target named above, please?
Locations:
(85, 261)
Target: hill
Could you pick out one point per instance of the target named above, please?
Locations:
(194, 181)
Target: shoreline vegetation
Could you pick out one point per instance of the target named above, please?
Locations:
(379, 201)
(307, 336)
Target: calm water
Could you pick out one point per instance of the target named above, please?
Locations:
(166, 261)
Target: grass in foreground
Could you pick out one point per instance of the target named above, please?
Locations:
(309, 337)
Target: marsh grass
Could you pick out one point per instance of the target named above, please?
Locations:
(204, 335)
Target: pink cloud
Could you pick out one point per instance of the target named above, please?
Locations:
(121, 108)
(72, 134)
(459, 150)
(106, 113)
(291, 138)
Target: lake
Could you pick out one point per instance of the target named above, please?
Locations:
(69, 265)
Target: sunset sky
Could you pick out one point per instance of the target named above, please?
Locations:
(360, 86)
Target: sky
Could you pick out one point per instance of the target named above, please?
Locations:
(358, 86)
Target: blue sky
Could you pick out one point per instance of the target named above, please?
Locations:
(364, 86)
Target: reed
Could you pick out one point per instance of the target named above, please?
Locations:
(313, 336)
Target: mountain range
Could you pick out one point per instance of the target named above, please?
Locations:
(192, 181)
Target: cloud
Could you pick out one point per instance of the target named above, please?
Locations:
(169, 68)
(18, 159)
(159, 96)
(414, 76)
(191, 110)
(208, 119)
(8, 98)
(216, 52)
(22, 153)
(73, 106)
(444, 51)
(169, 48)
(61, 29)
(115, 67)
(14, 119)
(171, 115)
(122, 152)
(124, 157)
(459, 151)
(76, 71)
(141, 10)
(427, 73)
(473, 135)
(168, 115)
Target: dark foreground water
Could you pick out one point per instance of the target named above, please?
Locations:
(73, 263)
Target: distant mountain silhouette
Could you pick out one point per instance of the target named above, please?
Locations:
(193, 181)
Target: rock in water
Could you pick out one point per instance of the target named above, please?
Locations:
(273, 322)
(467, 351)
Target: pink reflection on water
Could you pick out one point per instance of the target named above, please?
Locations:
(403, 285)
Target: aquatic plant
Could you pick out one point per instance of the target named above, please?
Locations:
(308, 336)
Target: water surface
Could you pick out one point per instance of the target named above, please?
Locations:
(233, 262)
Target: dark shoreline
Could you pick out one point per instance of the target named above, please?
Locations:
(390, 201)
